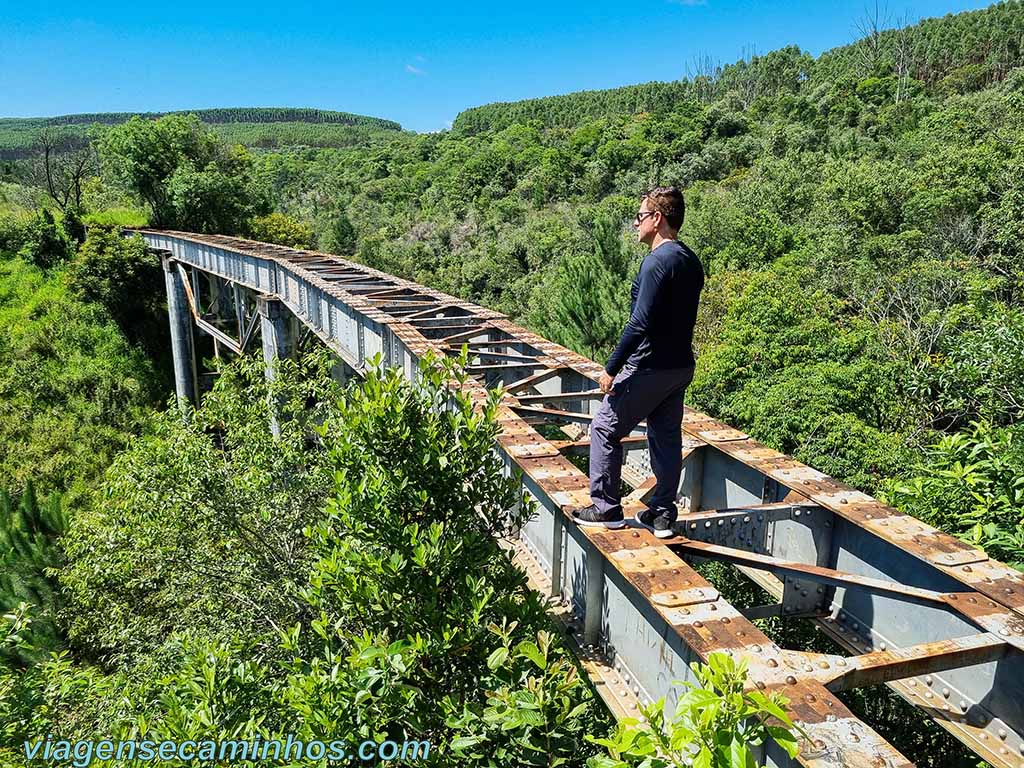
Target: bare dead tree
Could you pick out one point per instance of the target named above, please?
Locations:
(869, 28)
(704, 72)
(747, 85)
(906, 53)
(62, 168)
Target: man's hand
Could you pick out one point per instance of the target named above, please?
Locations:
(605, 382)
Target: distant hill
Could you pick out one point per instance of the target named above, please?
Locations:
(266, 127)
(961, 52)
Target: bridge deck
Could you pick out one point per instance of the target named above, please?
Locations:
(917, 609)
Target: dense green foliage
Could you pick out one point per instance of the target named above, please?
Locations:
(72, 388)
(189, 179)
(972, 484)
(342, 579)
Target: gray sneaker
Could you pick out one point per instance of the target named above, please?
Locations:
(660, 524)
(591, 516)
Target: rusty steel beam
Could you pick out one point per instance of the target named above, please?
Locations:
(563, 397)
(646, 612)
(924, 659)
(582, 446)
(815, 573)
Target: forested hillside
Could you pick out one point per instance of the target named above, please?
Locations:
(22, 137)
(860, 216)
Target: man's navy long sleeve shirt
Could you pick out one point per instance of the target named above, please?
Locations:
(662, 311)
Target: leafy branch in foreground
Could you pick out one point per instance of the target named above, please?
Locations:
(717, 724)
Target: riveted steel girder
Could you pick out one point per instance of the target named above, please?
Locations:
(916, 609)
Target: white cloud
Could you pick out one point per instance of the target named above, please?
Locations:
(414, 70)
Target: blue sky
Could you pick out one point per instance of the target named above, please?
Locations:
(419, 63)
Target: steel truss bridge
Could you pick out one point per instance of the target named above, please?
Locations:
(911, 607)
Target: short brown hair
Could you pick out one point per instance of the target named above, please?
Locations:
(669, 202)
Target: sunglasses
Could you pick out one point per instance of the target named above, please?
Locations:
(641, 216)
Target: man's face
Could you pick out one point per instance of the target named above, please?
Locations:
(646, 223)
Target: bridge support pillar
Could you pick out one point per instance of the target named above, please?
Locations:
(182, 347)
(278, 342)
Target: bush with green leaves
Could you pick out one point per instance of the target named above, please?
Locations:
(119, 273)
(199, 524)
(411, 591)
(971, 484)
(717, 723)
(45, 243)
(281, 229)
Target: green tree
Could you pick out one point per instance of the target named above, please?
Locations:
(118, 273)
(29, 552)
(588, 304)
(281, 229)
(186, 175)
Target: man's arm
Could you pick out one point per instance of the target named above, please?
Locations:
(652, 276)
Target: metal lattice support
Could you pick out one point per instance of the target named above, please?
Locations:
(916, 609)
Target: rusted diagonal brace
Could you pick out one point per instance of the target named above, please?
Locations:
(814, 572)
(497, 343)
(496, 355)
(211, 329)
(438, 307)
(590, 394)
(552, 414)
(634, 442)
(465, 334)
(924, 659)
(533, 379)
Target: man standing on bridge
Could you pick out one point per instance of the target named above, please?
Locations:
(649, 370)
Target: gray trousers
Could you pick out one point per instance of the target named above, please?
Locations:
(656, 395)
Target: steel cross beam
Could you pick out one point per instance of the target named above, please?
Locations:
(642, 613)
